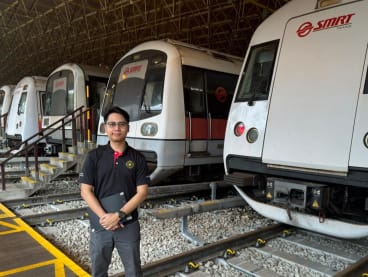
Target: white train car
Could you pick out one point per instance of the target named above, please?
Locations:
(6, 96)
(178, 97)
(296, 137)
(25, 110)
(69, 87)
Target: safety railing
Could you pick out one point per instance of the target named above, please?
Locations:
(26, 147)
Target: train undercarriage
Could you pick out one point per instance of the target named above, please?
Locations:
(338, 210)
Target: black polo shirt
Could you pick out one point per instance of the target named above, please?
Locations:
(110, 173)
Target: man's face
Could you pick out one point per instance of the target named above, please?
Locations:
(116, 127)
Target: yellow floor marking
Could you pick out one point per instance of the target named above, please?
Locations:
(27, 267)
(61, 258)
(7, 212)
(59, 270)
(13, 228)
(52, 249)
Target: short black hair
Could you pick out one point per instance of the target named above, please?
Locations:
(116, 109)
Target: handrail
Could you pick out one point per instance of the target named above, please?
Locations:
(25, 148)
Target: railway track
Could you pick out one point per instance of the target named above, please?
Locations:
(224, 253)
(306, 253)
(184, 264)
(155, 192)
(57, 208)
(180, 262)
(256, 252)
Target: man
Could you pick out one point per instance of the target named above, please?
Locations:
(109, 170)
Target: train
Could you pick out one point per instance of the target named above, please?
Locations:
(6, 96)
(69, 87)
(296, 142)
(178, 97)
(24, 114)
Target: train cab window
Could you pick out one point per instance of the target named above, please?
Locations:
(152, 98)
(220, 91)
(194, 97)
(70, 101)
(59, 98)
(256, 78)
(136, 84)
(2, 96)
(365, 89)
(22, 103)
(153, 91)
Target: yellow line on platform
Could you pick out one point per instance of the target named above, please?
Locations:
(6, 212)
(62, 259)
(27, 267)
(11, 226)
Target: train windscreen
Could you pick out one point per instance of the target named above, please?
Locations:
(136, 84)
(256, 78)
(59, 97)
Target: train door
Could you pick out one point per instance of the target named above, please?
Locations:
(196, 115)
(359, 148)
(2, 97)
(95, 89)
(6, 96)
(3, 105)
(207, 97)
(220, 89)
(17, 125)
(311, 114)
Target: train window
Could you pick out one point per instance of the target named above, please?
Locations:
(2, 95)
(22, 103)
(194, 98)
(136, 84)
(365, 89)
(59, 97)
(256, 78)
(220, 91)
(97, 88)
(152, 97)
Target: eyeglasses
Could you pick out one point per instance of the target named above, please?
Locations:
(119, 124)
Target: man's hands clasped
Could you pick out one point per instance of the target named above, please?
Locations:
(111, 221)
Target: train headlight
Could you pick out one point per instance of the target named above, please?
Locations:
(149, 129)
(365, 140)
(239, 129)
(252, 135)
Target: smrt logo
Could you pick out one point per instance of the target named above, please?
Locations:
(132, 69)
(307, 27)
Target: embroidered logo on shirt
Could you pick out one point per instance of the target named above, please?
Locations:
(129, 164)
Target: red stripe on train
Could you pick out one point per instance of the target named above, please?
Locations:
(200, 128)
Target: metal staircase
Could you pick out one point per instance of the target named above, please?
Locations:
(38, 174)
